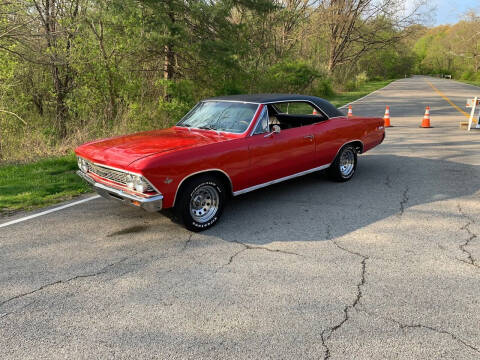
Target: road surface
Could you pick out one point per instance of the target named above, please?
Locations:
(386, 266)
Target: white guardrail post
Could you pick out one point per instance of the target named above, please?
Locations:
(473, 104)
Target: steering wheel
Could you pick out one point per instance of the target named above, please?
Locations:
(245, 123)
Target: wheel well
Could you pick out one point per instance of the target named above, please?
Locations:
(216, 173)
(357, 144)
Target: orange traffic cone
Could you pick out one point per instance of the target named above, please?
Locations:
(314, 112)
(426, 118)
(386, 117)
(350, 112)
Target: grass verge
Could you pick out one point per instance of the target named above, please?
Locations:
(49, 181)
(37, 184)
(471, 82)
(345, 97)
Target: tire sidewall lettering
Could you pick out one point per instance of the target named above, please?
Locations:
(207, 224)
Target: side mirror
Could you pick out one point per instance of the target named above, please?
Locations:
(275, 130)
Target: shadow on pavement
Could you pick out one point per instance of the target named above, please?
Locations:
(312, 208)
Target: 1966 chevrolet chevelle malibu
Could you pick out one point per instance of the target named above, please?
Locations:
(227, 146)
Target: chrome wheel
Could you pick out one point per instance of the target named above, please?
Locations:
(347, 162)
(204, 203)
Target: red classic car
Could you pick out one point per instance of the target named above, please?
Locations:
(227, 146)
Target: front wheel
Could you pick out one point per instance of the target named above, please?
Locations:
(201, 203)
(344, 166)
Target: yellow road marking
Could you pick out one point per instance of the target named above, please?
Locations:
(447, 99)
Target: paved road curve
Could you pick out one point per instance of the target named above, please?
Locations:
(385, 266)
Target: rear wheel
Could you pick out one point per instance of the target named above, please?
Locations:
(200, 203)
(345, 164)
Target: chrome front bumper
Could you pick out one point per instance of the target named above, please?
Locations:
(150, 204)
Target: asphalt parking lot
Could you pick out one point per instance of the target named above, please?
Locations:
(386, 266)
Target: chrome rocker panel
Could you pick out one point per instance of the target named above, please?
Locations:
(151, 204)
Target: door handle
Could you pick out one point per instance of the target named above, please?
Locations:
(308, 137)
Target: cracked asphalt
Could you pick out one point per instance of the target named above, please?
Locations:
(386, 266)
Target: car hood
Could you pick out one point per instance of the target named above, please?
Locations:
(123, 150)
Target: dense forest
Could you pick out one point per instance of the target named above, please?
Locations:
(74, 70)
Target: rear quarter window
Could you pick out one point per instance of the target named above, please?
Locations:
(295, 108)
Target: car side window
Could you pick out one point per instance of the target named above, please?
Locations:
(297, 108)
(296, 114)
(262, 124)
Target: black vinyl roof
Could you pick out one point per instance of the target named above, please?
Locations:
(322, 104)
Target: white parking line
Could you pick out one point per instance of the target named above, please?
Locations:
(16, 221)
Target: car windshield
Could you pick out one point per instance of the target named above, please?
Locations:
(224, 116)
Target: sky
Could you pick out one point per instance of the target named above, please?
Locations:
(451, 11)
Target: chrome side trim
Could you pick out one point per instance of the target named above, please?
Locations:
(348, 142)
(200, 172)
(265, 109)
(259, 186)
(233, 101)
(150, 204)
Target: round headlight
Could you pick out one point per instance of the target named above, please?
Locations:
(79, 162)
(140, 185)
(129, 181)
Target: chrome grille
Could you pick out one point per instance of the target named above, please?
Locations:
(111, 174)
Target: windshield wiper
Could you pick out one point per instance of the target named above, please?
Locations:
(206, 127)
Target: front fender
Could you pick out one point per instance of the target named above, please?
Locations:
(167, 171)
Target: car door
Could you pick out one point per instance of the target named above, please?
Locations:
(277, 155)
(330, 136)
(327, 141)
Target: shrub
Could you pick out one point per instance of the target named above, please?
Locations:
(290, 76)
(323, 88)
(361, 79)
(468, 75)
(351, 85)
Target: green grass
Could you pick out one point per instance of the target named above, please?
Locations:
(471, 82)
(345, 97)
(42, 183)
